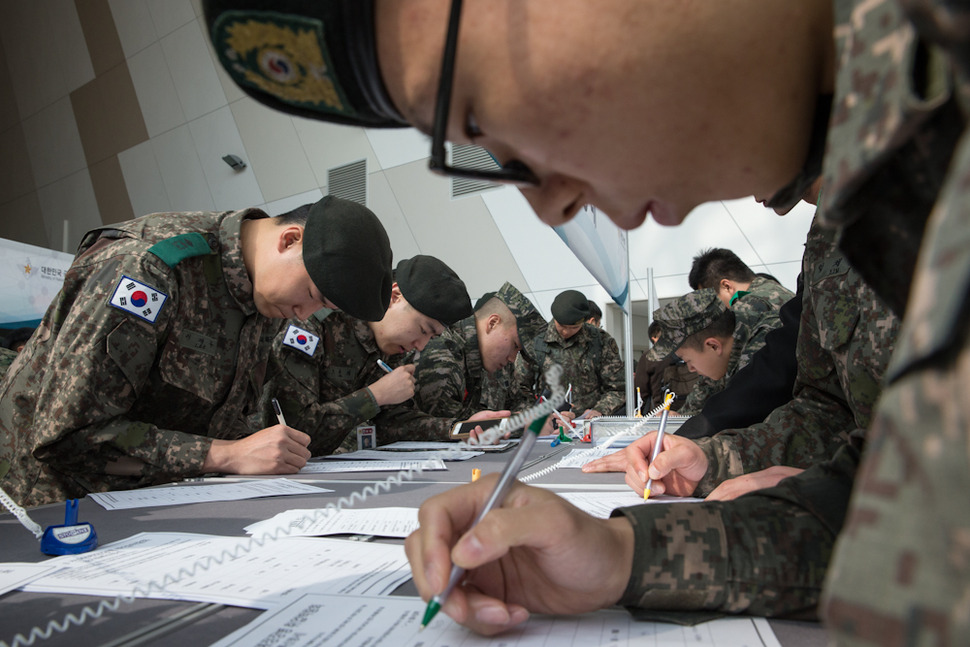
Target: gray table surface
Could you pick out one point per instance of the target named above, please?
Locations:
(161, 622)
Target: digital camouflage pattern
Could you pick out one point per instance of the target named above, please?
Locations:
(98, 383)
(597, 377)
(449, 374)
(901, 570)
(772, 293)
(899, 575)
(7, 358)
(325, 394)
(451, 379)
(683, 317)
(754, 319)
(845, 339)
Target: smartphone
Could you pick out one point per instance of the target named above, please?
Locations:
(462, 429)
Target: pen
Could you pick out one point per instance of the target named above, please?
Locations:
(498, 495)
(384, 366)
(658, 443)
(279, 412)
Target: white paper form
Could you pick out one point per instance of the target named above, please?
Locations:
(393, 621)
(267, 575)
(580, 456)
(601, 504)
(13, 575)
(417, 445)
(380, 522)
(185, 494)
(450, 454)
(323, 467)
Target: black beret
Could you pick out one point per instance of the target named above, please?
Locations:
(312, 58)
(348, 256)
(433, 289)
(570, 308)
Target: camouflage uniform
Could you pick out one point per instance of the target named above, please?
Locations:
(846, 338)
(755, 318)
(449, 373)
(598, 378)
(99, 382)
(771, 293)
(322, 386)
(7, 358)
(897, 155)
(451, 379)
(901, 570)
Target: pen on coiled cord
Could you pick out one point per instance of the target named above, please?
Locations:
(498, 496)
(384, 366)
(658, 443)
(279, 412)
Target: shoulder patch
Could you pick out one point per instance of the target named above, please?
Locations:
(176, 249)
(301, 340)
(139, 299)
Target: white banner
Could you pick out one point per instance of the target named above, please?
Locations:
(601, 247)
(30, 277)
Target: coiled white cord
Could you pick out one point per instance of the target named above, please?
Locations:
(21, 514)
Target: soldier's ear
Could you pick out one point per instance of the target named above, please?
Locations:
(288, 237)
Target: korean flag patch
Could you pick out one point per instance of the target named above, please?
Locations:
(139, 299)
(301, 340)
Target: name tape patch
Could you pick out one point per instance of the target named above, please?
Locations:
(301, 340)
(139, 299)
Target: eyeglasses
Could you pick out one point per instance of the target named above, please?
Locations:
(514, 171)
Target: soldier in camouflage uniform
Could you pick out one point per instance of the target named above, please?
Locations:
(324, 371)
(152, 354)
(589, 357)
(450, 372)
(846, 338)
(714, 341)
(722, 270)
(897, 168)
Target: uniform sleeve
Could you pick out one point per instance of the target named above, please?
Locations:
(98, 364)
(612, 378)
(764, 554)
(439, 376)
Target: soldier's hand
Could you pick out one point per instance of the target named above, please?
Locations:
(274, 450)
(733, 488)
(677, 470)
(536, 553)
(475, 434)
(395, 387)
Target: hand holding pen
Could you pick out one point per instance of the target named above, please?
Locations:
(659, 440)
(516, 554)
(395, 387)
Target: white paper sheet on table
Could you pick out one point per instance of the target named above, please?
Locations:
(601, 504)
(418, 445)
(394, 621)
(413, 455)
(185, 494)
(580, 456)
(13, 575)
(268, 574)
(323, 467)
(380, 522)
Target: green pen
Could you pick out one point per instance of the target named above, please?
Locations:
(501, 489)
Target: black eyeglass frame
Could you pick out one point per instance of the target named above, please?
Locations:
(514, 172)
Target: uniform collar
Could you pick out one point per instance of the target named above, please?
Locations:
(233, 267)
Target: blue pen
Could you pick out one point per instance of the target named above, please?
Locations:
(384, 366)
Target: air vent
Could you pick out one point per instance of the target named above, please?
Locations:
(466, 156)
(349, 181)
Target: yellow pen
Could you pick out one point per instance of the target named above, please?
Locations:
(658, 443)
